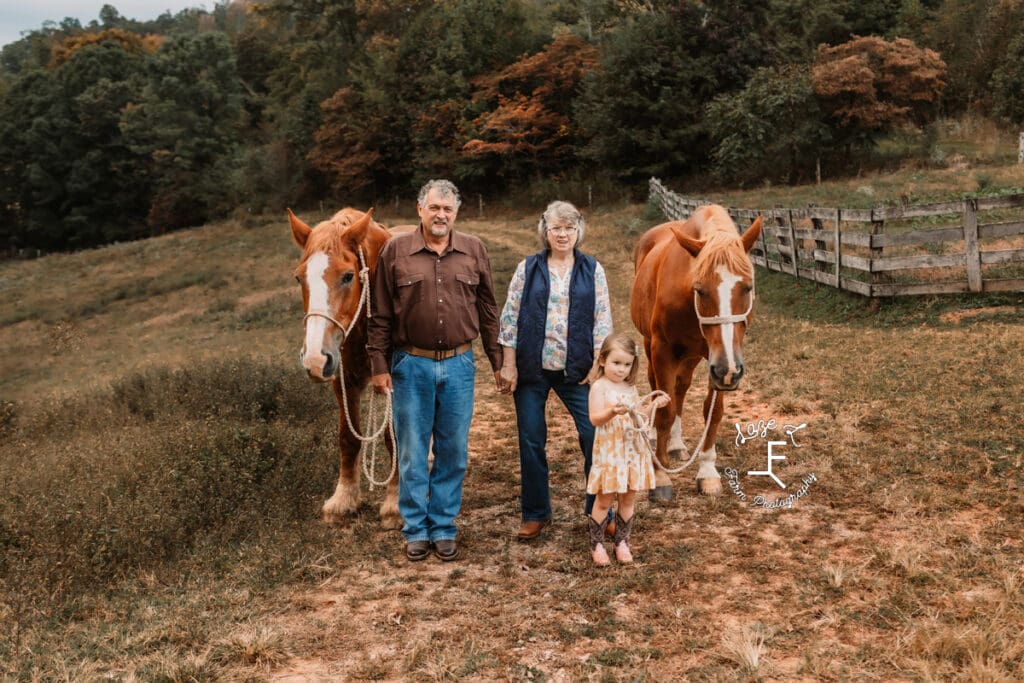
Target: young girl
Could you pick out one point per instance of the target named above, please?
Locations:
(623, 463)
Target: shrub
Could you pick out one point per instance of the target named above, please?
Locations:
(162, 464)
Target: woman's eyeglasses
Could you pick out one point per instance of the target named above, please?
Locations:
(562, 230)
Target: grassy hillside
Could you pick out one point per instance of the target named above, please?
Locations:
(163, 460)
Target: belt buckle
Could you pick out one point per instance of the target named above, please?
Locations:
(439, 354)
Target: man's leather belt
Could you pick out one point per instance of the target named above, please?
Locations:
(437, 354)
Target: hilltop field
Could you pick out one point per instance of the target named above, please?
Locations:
(164, 460)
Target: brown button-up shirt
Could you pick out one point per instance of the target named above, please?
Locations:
(432, 301)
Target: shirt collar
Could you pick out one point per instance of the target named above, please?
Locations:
(456, 241)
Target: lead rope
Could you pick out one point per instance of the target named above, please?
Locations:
(643, 420)
(369, 464)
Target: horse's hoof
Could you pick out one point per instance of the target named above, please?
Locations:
(710, 486)
(660, 494)
(333, 514)
(391, 522)
(333, 518)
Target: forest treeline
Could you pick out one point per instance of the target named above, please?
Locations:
(120, 129)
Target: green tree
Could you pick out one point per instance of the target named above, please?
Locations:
(64, 162)
(403, 117)
(643, 108)
(188, 121)
(314, 48)
(1008, 84)
(973, 37)
(800, 26)
(445, 47)
(772, 129)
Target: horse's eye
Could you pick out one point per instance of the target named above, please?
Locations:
(699, 290)
(347, 278)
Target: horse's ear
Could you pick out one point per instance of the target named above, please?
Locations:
(688, 243)
(300, 231)
(752, 233)
(356, 233)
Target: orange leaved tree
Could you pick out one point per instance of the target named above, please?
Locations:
(870, 85)
(525, 125)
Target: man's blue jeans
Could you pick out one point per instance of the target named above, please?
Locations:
(431, 399)
(531, 399)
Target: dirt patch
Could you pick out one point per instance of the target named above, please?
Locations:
(954, 317)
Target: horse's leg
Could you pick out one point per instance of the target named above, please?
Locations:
(684, 377)
(390, 517)
(345, 500)
(661, 371)
(709, 482)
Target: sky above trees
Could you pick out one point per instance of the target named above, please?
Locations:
(16, 16)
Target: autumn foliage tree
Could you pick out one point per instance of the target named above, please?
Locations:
(869, 85)
(526, 126)
(131, 43)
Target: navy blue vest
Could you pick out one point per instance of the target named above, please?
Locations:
(533, 313)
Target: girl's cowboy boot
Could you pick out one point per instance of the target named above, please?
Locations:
(622, 528)
(597, 551)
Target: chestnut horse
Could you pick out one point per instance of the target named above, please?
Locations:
(333, 274)
(693, 293)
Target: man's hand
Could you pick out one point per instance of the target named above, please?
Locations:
(382, 383)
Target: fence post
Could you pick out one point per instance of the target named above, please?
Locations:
(796, 245)
(972, 251)
(783, 239)
(819, 245)
(877, 252)
(838, 248)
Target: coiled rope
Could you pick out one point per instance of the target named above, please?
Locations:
(643, 420)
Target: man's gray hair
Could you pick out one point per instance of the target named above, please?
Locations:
(560, 212)
(445, 187)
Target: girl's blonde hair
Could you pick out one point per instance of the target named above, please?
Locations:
(622, 342)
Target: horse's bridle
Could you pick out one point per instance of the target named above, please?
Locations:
(364, 297)
(722, 319)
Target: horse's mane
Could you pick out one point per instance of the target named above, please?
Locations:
(722, 246)
(326, 236)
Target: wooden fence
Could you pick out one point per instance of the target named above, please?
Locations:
(888, 251)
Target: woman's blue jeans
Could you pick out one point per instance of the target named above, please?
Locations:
(531, 399)
(432, 399)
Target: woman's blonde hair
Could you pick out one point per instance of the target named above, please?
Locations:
(622, 342)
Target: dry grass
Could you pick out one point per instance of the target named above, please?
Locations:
(165, 461)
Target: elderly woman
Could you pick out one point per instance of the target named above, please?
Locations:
(556, 316)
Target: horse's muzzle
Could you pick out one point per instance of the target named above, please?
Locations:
(723, 380)
(324, 373)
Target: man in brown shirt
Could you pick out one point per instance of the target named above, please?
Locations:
(432, 296)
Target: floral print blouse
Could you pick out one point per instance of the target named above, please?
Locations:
(556, 329)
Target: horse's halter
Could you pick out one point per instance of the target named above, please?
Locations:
(364, 278)
(722, 319)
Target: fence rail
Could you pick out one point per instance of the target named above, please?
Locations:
(886, 251)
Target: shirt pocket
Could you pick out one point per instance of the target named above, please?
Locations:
(466, 286)
(410, 289)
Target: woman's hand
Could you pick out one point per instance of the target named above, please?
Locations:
(508, 376)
